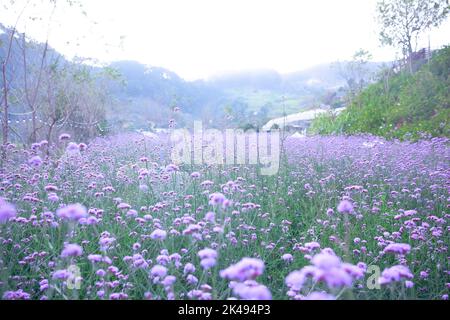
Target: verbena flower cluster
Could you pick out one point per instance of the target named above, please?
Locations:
(344, 218)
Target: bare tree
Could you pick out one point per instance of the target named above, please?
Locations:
(59, 102)
(75, 98)
(5, 83)
(355, 73)
(53, 96)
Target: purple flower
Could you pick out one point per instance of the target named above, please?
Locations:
(395, 274)
(356, 272)
(189, 268)
(195, 175)
(208, 258)
(95, 258)
(64, 137)
(16, 295)
(397, 248)
(158, 271)
(207, 253)
(61, 274)
(311, 246)
(210, 216)
(72, 250)
(73, 148)
(158, 234)
(118, 296)
(132, 213)
(345, 206)
(207, 183)
(319, 296)
(287, 257)
(327, 268)
(208, 263)
(106, 242)
(123, 206)
(362, 266)
(334, 277)
(295, 280)
(326, 261)
(246, 269)
(216, 199)
(169, 281)
(172, 168)
(82, 146)
(7, 211)
(35, 161)
(53, 197)
(101, 273)
(51, 188)
(251, 290)
(72, 212)
(191, 279)
(43, 285)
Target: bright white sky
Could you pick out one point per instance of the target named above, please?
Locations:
(200, 38)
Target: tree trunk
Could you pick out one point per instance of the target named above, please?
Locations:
(5, 127)
(49, 136)
(34, 133)
(410, 57)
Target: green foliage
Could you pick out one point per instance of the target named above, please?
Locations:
(404, 106)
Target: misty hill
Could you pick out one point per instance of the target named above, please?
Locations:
(146, 95)
(162, 85)
(273, 94)
(251, 79)
(152, 92)
(322, 75)
(325, 76)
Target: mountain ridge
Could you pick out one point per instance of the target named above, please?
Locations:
(149, 93)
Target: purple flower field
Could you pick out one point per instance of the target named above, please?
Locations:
(344, 218)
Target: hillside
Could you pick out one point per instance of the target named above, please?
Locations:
(269, 93)
(404, 106)
(150, 93)
(144, 96)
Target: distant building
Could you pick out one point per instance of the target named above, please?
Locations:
(298, 121)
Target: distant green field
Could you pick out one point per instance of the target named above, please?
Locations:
(276, 103)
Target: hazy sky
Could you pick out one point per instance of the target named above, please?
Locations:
(199, 38)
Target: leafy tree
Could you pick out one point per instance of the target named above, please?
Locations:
(403, 21)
